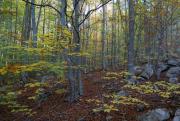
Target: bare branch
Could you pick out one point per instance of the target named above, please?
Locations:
(92, 10)
(44, 5)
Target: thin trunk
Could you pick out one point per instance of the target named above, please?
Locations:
(103, 37)
(26, 25)
(16, 22)
(131, 38)
(34, 27)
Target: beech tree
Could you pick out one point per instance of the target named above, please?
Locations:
(80, 36)
(131, 38)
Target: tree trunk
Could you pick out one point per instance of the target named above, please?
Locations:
(103, 38)
(27, 25)
(33, 24)
(131, 38)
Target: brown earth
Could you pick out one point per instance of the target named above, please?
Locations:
(55, 108)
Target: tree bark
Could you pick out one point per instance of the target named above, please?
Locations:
(131, 38)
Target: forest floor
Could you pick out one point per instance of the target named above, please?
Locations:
(55, 108)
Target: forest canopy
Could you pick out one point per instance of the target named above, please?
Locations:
(105, 54)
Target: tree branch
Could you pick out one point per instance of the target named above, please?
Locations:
(44, 5)
(91, 11)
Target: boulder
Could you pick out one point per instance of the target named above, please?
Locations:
(137, 70)
(176, 118)
(140, 107)
(28, 119)
(155, 87)
(81, 119)
(173, 72)
(161, 68)
(160, 114)
(173, 62)
(109, 118)
(177, 112)
(58, 85)
(24, 77)
(141, 79)
(148, 72)
(36, 75)
(173, 80)
(122, 93)
(47, 78)
(133, 80)
(148, 117)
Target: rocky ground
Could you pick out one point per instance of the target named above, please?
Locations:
(108, 97)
